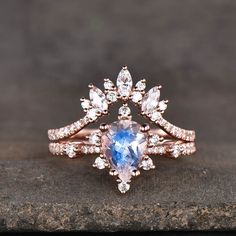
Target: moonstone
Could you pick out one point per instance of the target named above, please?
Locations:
(123, 145)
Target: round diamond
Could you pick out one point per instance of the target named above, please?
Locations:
(176, 151)
(155, 116)
(92, 114)
(123, 187)
(85, 104)
(153, 140)
(70, 150)
(162, 105)
(123, 145)
(147, 164)
(94, 138)
(108, 84)
(141, 85)
(112, 96)
(99, 163)
(137, 97)
(124, 111)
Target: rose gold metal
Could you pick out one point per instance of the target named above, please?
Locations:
(82, 145)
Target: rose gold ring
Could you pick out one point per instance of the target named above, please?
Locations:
(123, 146)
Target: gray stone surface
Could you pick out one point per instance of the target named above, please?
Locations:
(51, 50)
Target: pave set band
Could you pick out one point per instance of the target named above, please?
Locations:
(123, 146)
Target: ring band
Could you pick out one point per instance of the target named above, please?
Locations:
(123, 146)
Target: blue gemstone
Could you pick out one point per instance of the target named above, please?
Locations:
(124, 144)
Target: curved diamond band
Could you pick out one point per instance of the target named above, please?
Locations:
(123, 146)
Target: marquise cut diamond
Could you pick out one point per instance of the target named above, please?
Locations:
(150, 100)
(124, 83)
(98, 99)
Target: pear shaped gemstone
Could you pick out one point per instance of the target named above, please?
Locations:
(124, 83)
(98, 99)
(150, 100)
(123, 145)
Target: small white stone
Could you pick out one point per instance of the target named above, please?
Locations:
(155, 116)
(147, 164)
(70, 151)
(176, 151)
(137, 97)
(92, 114)
(99, 163)
(162, 105)
(154, 139)
(108, 84)
(124, 111)
(123, 187)
(141, 85)
(85, 104)
(112, 96)
(94, 138)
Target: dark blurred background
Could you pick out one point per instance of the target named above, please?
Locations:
(51, 50)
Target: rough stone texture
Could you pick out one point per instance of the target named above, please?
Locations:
(51, 50)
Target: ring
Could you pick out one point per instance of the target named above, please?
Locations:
(123, 146)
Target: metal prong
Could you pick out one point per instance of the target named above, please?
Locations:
(135, 173)
(124, 67)
(103, 127)
(145, 128)
(91, 86)
(82, 99)
(113, 172)
(161, 139)
(159, 86)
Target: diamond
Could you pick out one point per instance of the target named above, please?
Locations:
(108, 84)
(147, 164)
(70, 150)
(155, 116)
(123, 187)
(141, 85)
(124, 111)
(137, 97)
(92, 114)
(162, 105)
(176, 151)
(85, 104)
(150, 100)
(98, 99)
(123, 145)
(154, 139)
(112, 96)
(99, 163)
(94, 138)
(124, 83)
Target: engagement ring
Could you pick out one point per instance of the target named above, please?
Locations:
(123, 146)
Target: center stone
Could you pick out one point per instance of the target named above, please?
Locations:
(123, 145)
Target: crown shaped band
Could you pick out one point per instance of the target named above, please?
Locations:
(123, 146)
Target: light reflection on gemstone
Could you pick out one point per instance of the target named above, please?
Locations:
(123, 145)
